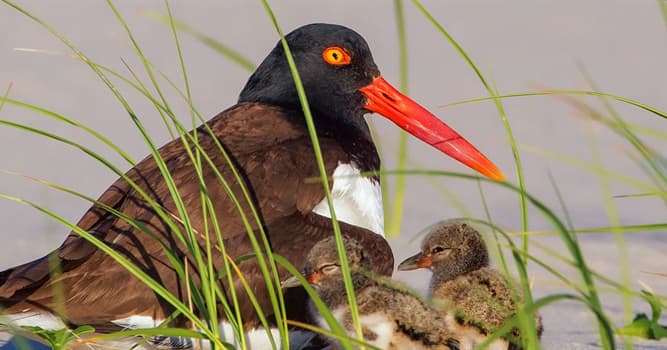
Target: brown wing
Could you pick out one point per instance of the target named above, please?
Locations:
(273, 156)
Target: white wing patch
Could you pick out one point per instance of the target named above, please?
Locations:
(357, 199)
(137, 322)
(381, 326)
(255, 338)
(42, 320)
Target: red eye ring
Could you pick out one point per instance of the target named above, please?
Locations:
(336, 56)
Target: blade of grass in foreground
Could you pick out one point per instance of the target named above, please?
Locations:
(349, 288)
(398, 199)
(618, 125)
(182, 131)
(524, 323)
(614, 220)
(69, 121)
(129, 266)
(231, 314)
(593, 168)
(191, 237)
(4, 97)
(124, 103)
(140, 88)
(207, 40)
(275, 294)
(661, 226)
(20, 342)
(610, 205)
(493, 95)
(523, 210)
(592, 296)
(663, 10)
(335, 326)
(631, 102)
(209, 286)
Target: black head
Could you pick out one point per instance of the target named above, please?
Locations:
(332, 87)
(343, 83)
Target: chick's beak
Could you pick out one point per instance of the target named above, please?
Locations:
(417, 261)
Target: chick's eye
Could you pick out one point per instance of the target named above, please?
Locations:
(336, 56)
(437, 250)
(327, 269)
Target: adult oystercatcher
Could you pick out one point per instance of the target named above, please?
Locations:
(390, 316)
(464, 285)
(265, 136)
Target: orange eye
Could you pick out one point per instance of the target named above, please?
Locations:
(336, 56)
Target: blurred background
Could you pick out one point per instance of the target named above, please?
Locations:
(519, 46)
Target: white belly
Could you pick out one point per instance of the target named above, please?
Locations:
(357, 199)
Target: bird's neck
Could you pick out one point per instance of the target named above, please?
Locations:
(442, 275)
(351, 133)
(335, 295)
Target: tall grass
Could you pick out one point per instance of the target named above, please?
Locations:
(394, 203)
(207, 300)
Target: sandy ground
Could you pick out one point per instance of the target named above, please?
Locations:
(519, 46)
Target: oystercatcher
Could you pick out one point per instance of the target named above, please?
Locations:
(266, 139)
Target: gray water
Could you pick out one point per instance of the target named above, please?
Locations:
(520, 46)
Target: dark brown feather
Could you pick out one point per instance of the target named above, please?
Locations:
(273, 153)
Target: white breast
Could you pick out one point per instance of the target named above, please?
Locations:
(357, 199)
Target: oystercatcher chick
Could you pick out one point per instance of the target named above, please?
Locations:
(477, 299)
(391, 317)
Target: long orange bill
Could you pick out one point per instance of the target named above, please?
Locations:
(384, 99)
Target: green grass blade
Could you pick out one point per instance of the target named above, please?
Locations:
(207, 40)
(524, 319)
(493, 95)
(631, 102)
(144, 61)
(663, 10)
(398, 199)
(321, 307)
(4, 96)
(349, 289)
(129, 266)
(615, 221)
(571, 244)
(230, 314)
(593, 168)
(515, 152)
(69, 121)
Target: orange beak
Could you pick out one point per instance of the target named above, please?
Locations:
(314, 278)
(417, 261)
(384, 99)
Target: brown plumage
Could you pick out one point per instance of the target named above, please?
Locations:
(274, 168)
(465, 285)
(391, 316)
(267, 140)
